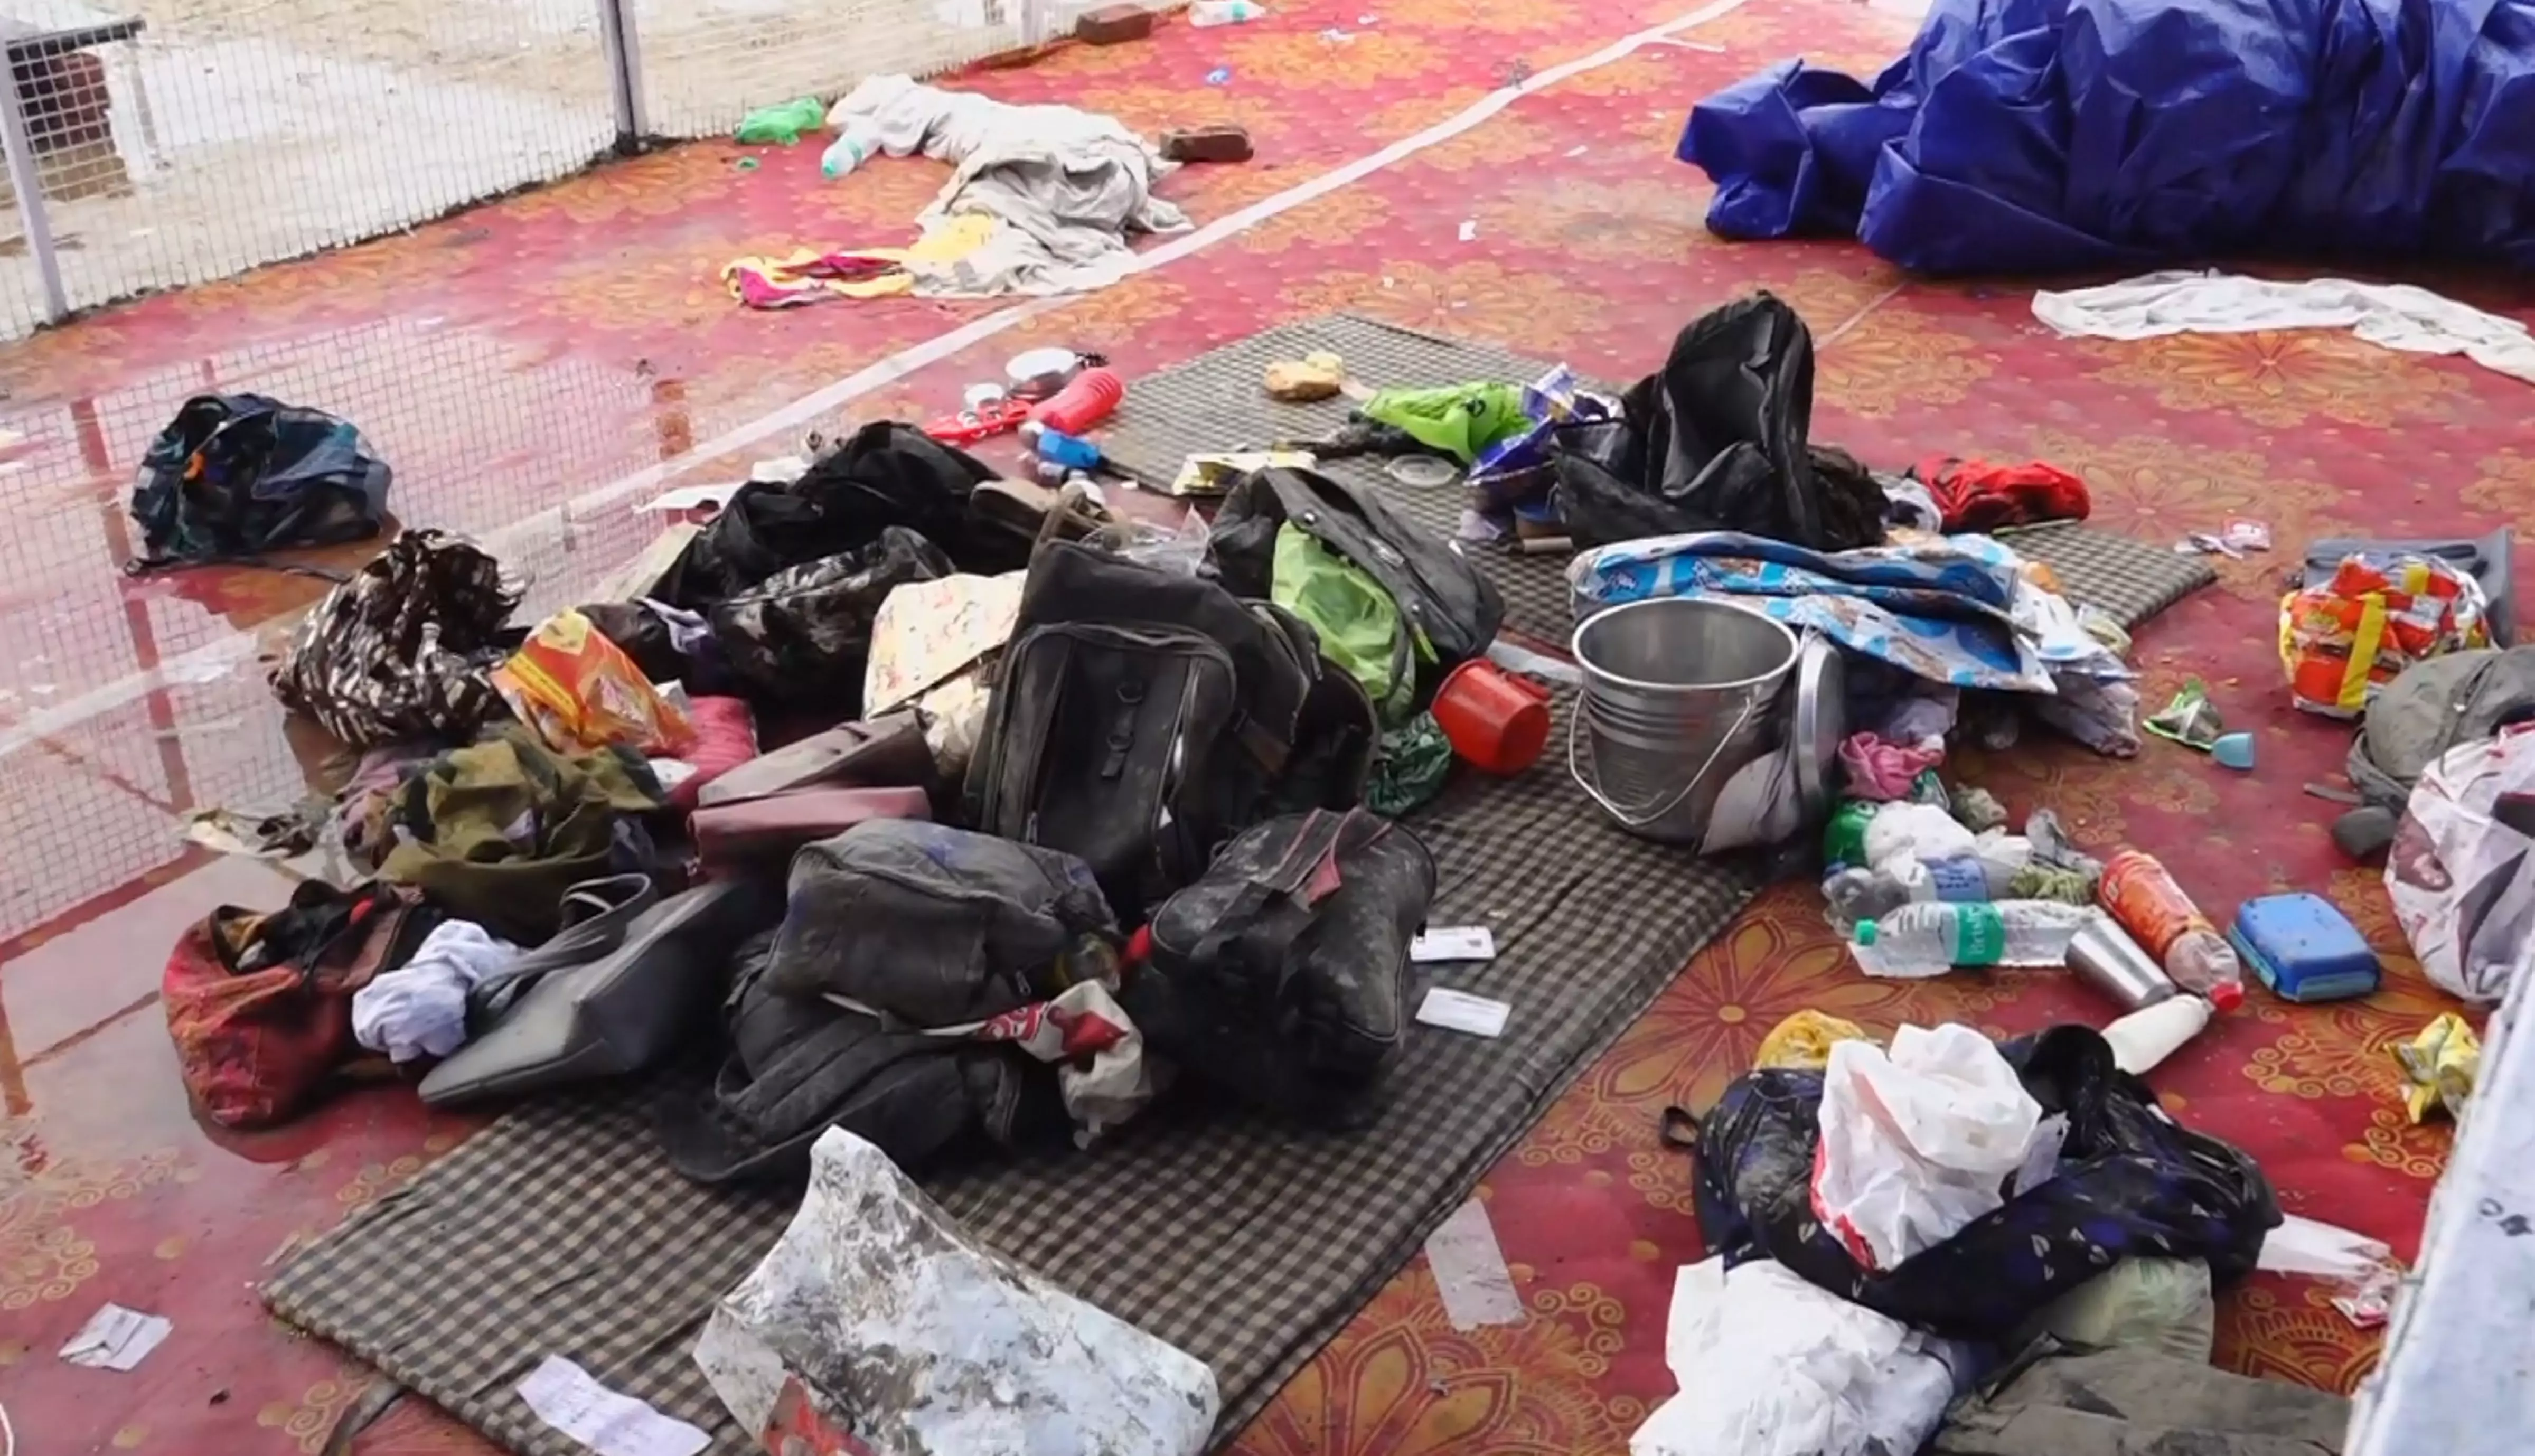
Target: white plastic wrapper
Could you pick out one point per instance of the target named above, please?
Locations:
(1771, 1365)
(875, 1319)
(1921, 1140)
(2460, 870)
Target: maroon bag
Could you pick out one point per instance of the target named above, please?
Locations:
(757, 834)
(260, 1006)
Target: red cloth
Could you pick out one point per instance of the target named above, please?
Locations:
(1978, 496)
(726, 738)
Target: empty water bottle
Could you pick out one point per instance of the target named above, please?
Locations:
(842, 155)
(1870, 894)
(1224, 12)
(1933, 938)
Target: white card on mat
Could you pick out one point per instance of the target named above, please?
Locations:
(564, 1397)
(1454, 943)
(1457, 1010)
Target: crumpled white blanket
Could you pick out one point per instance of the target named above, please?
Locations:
(2393, 316)
(419, 1009)
(1066, 185)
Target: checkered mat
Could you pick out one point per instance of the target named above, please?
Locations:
(1248, 1244)
(1215, 402)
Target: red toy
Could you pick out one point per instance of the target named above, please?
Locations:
(969, 426)
(1082, 404)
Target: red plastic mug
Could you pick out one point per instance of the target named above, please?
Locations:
(1494, 719)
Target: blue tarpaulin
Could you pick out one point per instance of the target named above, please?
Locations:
(2047, 134)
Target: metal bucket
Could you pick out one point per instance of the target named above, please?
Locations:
(1680, 693)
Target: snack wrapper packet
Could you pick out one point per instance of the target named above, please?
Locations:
(2342, 640)
(580, 691)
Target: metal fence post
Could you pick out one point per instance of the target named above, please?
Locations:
(28, 181)
(620, 40)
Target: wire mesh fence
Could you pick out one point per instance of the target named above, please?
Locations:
(157, 143)
(707, 63)
(172, 141)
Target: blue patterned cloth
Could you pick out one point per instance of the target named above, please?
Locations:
(1946, 611)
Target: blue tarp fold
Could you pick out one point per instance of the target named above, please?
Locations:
(2048, 135)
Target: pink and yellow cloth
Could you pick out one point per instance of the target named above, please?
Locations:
(808, 275)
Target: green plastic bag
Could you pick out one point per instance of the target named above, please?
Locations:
(1360, 625)
(1415, 759)
(781, 125)
(1459, 421)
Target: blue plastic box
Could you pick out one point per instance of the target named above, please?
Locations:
(2303, 948)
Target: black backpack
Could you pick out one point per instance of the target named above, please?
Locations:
(1450, 599)
(1141, 717)
(884, 474)
(1281, 976)
(236, 475)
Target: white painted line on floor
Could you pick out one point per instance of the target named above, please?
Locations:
(216, 658)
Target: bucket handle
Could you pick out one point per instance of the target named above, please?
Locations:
(1627, 817)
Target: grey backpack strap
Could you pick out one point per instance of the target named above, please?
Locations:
(596, 913)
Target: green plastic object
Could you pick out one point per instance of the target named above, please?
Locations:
(1461, 420)
(1359, 624)
(783, 125)
(1844, 837)
(1416, 757)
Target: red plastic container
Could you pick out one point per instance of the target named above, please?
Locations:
(1084, 403)
(1495, 720)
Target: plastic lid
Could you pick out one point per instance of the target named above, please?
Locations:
(1865, 932)
(2226, 996)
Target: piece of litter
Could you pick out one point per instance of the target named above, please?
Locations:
(1578, 150)
(1471, 1272)
(747, 163)
(1218, 76)
(1454, 943)
(1469, 229)
(1366, 20)
(1458, 1011)
(1519, 659)
(693, 497)
(1335, 36)
(563, 1396)
(2244, 532)
(116, 1339)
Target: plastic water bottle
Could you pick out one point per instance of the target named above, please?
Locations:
(843, 155)
(2151, 906)
(1933, 938)
(1870, 894)
(1224, 12)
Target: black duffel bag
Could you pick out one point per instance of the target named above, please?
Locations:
(1281, 975)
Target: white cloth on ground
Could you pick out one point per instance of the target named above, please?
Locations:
(2395, 316)
(419, 1009)
(1771, 1365)
(1066, 185)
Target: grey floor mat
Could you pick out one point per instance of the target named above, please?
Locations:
(1247, 1243)
(1215, 402)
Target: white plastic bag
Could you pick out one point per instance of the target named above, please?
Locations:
(1771, 1365)
(2461, 872)
(875, 1318)
(1920, 1141)
(1923, 832)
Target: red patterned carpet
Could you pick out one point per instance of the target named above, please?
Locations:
(559, 347)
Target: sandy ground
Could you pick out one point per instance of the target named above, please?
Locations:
(248, 131)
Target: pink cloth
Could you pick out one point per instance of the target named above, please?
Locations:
(726, 738)
(1882, 771)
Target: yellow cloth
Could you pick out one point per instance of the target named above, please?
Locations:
(1803, 1041)
(2440, 1066)
(763, 281)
